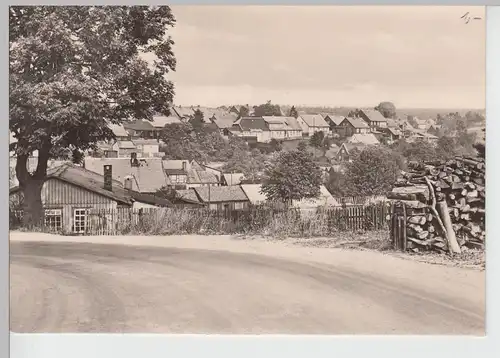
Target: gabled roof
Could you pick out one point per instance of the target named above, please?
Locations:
(356, 122)
(233, 178)
(336, 120)
(148, 177)
(201, 177)
(225, 121)
(373, 115)
(285, 123)
(391, 123)
(189, 195)
(183, 112)
(217, 194)
(253, 193)
(314, 120)
(324, 199)
(251, 123)
(162, 121)
(138, 125)
(368, 139)
(118, 130)
(349, 147)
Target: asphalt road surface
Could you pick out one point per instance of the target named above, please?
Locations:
(243, 288)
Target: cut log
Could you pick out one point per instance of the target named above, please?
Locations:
(445, 217)
(472, 194)
(419, 220)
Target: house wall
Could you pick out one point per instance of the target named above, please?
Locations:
(233, 205)
(57, 194)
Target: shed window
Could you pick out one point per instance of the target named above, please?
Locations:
(53, 219)
(80, 220)
(238, 206)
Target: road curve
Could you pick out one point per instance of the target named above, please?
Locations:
(105, 287)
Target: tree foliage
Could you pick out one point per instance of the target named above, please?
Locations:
(317, 139)
(292, 176)
(387, 109)
(372, 171)
(72, 70)
(267, 109)
(293, 112)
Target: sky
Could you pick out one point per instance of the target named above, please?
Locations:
(416, 57)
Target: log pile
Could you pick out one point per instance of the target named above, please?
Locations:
(445, 204)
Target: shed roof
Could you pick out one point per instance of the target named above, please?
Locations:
(219, 194)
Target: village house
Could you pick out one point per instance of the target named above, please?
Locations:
(251, 129)
(183, 113)
(418, 134)
(159, 122)
(346, 151)
(372, 117)
(177, 172)
(147, 147)
(255, 196)
(352, 125)
(218, 198)
(312, 123)
(282, 128)
(71, 193)
(333, 121)
(365, 138)
(141, 129)
(223, 123)
(119, 131)
(144, 175)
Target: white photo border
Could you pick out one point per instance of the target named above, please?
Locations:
(149, 345)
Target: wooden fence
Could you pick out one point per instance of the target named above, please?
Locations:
(294, 221)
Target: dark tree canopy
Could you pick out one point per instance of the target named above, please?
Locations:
(317, 139)
(293, 112)
(372, 172)
(73, 69)
(387, 109)
(292, 176)
(267, 109)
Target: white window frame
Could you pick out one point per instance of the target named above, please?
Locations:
(78, 213)
(53, 214)
(238, 205)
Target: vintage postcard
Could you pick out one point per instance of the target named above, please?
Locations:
(247, 169)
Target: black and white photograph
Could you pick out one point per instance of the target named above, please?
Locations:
(230, 169)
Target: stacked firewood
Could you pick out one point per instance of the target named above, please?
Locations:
(445, 204)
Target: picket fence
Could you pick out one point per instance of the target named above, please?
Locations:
(122, 221)
(254, 219)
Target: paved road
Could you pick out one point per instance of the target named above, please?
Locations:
(104, 287)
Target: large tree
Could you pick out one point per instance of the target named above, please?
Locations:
(292, 176)
(73, 70)
(267, 109)
(372, 172)
(387, 109)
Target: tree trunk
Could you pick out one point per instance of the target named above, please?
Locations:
(31, 187)
(33, 213)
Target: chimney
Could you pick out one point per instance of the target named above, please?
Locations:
(108, 178)
(184, 166)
